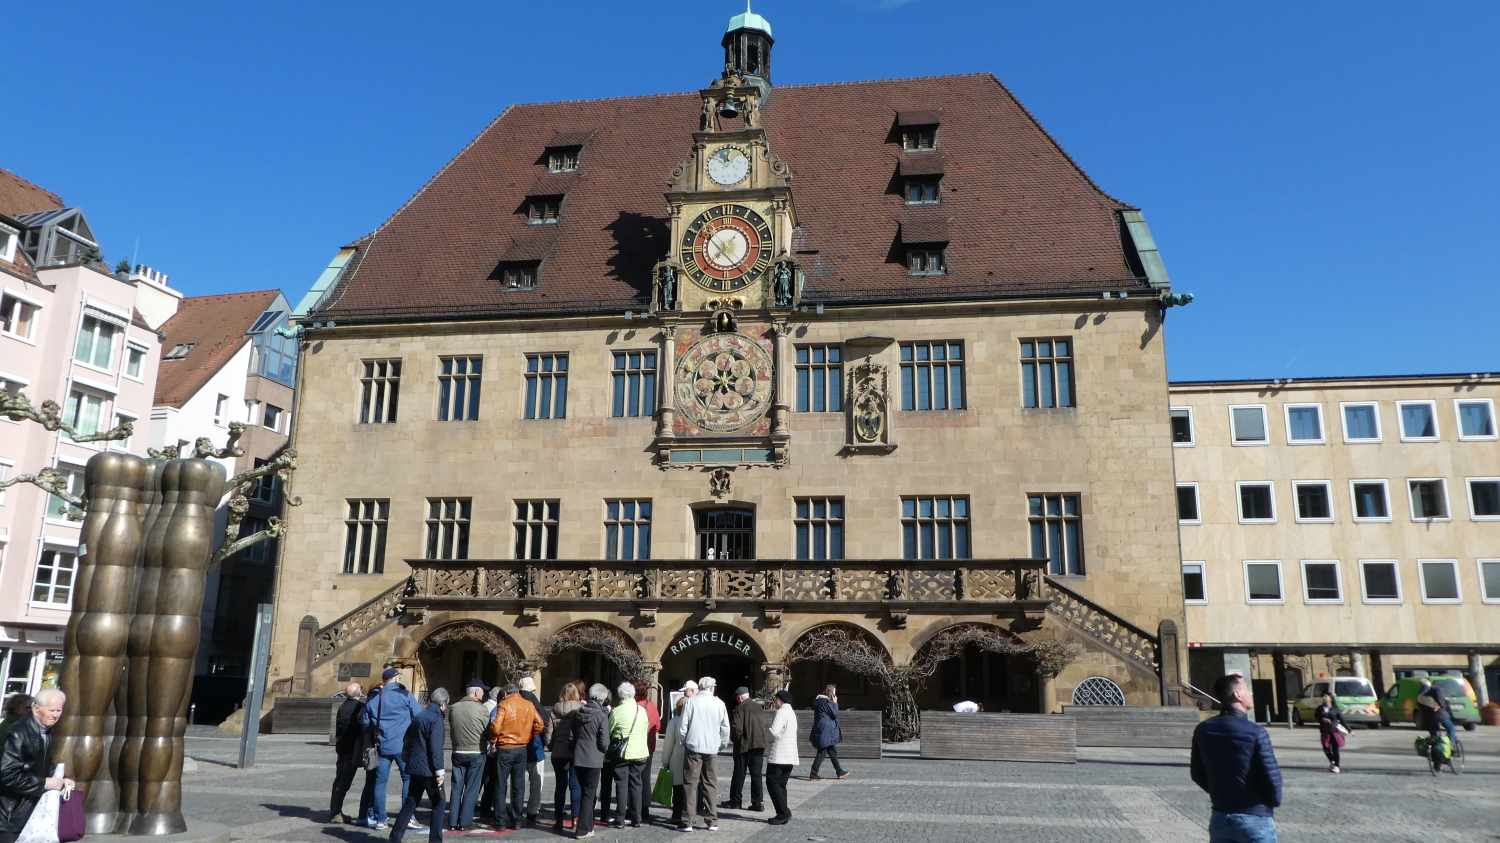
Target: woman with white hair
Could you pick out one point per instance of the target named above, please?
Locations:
(25, 759)
(628, 722)
(590, 740)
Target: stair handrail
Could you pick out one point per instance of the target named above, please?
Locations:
(1057, 607)
(360, 623)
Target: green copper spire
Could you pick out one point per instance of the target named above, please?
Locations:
(749, 20)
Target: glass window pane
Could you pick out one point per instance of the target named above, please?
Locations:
(908, 400)
(924, 507)
(1475, 419)
(1044, 349)
(1380, 581)
(1249, 424)
(909, 508)
(1417, 421)
(1489, 579)
(928, 540)
(1044, 375)
(1038, 540)
(835, 541)
(924, 388)
(1264, 581)
(1322, 581)
(1028, 384)
(908, 541)
(1360, 421)
(1440, 580)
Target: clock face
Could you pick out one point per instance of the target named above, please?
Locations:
(724, 383)
(726, 248)
(728, 165)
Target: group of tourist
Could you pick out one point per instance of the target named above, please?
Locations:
(600, 743)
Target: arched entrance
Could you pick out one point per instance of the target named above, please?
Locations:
(591, 651)
(979, 663)
(845, 656)
(453, 654)
(730, 656)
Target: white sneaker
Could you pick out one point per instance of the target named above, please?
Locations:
(685, 829)
(1336, 768)
(380, 826)
(713, 828)
(415, 826)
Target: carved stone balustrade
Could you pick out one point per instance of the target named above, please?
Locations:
(1005, 586)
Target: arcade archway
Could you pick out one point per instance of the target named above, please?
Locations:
(729, 655)
(591, 651)
(453, 654)
(845, 656)
(978, 663)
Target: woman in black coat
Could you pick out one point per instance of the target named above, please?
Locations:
(1330, 720)
(590, 740)
(25, 760)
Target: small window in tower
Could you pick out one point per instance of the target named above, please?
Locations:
(519, 276)
(752, 58)
(919, 138)
(923, 191)
(926, 261)
(563, 159)
(543, 210)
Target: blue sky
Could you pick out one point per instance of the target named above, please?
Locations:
(1322, 176)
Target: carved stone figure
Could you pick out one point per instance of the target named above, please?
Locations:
(710, 119)
(752, 111)
(666, 285)
(783, 277)
(719, 482)
(869, 405)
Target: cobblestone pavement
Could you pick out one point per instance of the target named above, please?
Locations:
(1110, 795)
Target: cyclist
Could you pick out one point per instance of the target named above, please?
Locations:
(1437, 711)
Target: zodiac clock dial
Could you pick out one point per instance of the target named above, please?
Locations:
(726, 247)
(724, 383)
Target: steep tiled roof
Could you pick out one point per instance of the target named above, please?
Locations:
(1021, 218)
(19, 196)
(217, 324)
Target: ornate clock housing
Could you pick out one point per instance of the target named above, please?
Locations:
(728, 165)
(724, 382)
(726, 247)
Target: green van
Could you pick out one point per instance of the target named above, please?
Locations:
(1354, 694)
(1399, 704)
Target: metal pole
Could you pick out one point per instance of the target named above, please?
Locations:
(260, 659)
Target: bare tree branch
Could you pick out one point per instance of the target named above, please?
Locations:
(50, 480)
(598, 638)
(19, 408)
(204, 447)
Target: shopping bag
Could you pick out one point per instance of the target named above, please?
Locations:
(662, 793)
(70, 817)
(42, 826)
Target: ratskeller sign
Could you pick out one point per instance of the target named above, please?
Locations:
(727, 639)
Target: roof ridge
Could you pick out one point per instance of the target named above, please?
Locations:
(34, 185)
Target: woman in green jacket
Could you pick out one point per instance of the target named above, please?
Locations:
(628, 721)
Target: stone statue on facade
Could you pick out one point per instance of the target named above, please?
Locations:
(710, 120)
(666, 286)
(783, 279)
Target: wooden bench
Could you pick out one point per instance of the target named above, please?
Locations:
(1134, 725)
(983, 736)
(861, 731)
(305, 715)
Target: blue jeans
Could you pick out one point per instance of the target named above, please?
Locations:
(510, 765)
(468, 776)
(1434, 722)
(1240, 828)
(372, 800)
(428, 785)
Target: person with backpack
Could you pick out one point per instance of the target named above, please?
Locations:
(826, 735)
(1437, 711)
(388, 715)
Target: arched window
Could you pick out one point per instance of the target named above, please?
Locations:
(1096, 690)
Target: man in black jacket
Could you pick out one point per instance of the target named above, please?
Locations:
(425, 764)
(25, 760)
(349, 743)
(1232, 760)
(747, 734)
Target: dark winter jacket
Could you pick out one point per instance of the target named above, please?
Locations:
(1232, 760)
(747, 727)
(390, 711)
(559, 734)
(825, 726)
(349, 729)
(1329, 719)
(426, 757)
(590, 736)
(25, 763)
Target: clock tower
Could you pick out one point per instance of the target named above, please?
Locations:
(729, 277)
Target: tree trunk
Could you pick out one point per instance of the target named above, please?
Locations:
(902, 722)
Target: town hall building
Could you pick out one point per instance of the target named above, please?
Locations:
(672, 382)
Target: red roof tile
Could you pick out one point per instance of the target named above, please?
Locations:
(217, 324)
(1022, 219)
(19, 196)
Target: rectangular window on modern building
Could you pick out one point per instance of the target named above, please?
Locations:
(1439, 581)
(1056, 523)
(1182, 427)
(635, 384)
(53, 583)
(935, 528)
(1263, 581)
(274, 417)
(1381, 581)
(96, 342)
(932, 376)
(1476, 419)
(458, 388)
(86, 411)
(546, 386)
(380, 391)
(1320, 581)
(1369, 500)
(448, 527)
(1304, 424)
(1194, 590)
(1314, 500)
(1361, 423)
(135, 359)
(1484, 498)
(1429, 499)
(820, 379)
(17, 317)
(1418, 421)
(1187, 503)
(627, 529)
(265, 488)
(364, 536)
(260, 552)
(1257, 503)
(536, 529)
(1047, 372)
(72, 480)
(1248, 425)
(820, 528)
(1489, 580)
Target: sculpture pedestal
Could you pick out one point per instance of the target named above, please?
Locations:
(198, 832)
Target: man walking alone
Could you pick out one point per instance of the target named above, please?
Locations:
(705, 728)
(349, 743)
(747, 734)
(1232, 760)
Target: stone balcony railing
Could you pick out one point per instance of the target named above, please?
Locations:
(1007, 585)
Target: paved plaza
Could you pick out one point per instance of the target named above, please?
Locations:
(1110, 795)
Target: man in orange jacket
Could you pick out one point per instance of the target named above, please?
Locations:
(513, 726)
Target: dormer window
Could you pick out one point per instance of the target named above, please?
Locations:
(541, 210)
(179, 351)
(918, 138)
(563, 159)
(519, 276)
(922, 191)
(929, 260)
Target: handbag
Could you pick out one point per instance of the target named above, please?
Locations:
(372, 740)
(616, 752)
(662, 793)
(70, 820)
(41, 826)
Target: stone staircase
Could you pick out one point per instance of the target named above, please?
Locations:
(1133, 645)
(370, 617)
